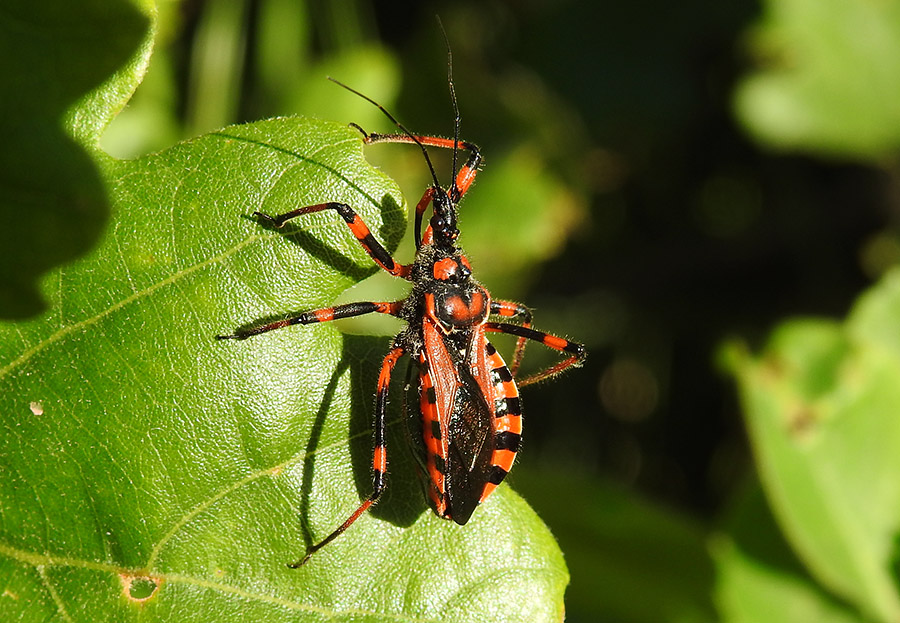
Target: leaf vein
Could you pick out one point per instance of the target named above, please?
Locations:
(63, 332)
(294, 605)
(268, 471)
(53, 594)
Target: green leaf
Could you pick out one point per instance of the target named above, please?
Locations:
(821, 409)
(57, 60)
(758, 576)
(829, 78)
(153, 472)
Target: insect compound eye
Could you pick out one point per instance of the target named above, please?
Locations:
(443, 229)
(443, 220)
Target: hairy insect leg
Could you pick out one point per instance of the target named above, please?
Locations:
(374, 248)
(325, 314)
(464, 177)
(574, 349)
(379, 456)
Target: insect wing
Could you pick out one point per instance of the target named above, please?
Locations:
(470, 419)
(437, 391)
(470, 447)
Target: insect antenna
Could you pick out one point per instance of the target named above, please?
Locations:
(412, 136)
(454, 189)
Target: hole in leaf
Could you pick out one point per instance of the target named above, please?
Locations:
(140, 587)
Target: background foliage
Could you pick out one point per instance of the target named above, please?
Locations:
(704, 195)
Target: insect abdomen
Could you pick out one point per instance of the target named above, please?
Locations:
(507, 424)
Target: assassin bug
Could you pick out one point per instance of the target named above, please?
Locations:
(471, 417)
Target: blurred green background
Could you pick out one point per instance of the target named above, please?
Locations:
(660, 180)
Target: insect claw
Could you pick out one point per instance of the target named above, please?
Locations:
(312, 549)
(271, 220)
(234, 336)
(359, 127)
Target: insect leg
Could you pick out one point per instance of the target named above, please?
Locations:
(423, 204)
(467, 172)
(510, 309)
(356, 225)
(326, 314)
(464, 177)
(574, 349)
(379, 457)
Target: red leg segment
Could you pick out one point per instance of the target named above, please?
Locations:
(574, 349)
(466, 174)
(423, 204)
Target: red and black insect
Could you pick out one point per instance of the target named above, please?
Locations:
(471, 416)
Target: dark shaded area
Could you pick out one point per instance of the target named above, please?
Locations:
(688, 282)
(620, 550)
(53, 204)
(309, 464)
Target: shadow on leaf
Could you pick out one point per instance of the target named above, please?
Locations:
(389, 235)
(402, 501)
(54, 203)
